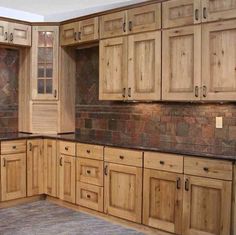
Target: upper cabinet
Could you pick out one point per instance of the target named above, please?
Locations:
(45, 63)
(187, 12)
(14, 33)
(135, 20)
(78, 32)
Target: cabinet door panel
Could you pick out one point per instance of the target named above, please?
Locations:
(144, 66)
(4, 31)
(144, 18)
(181, 71)
(180, 13)
(113, 69)
(89, 29)
(69, 34)
(20, 34)
(162, 198)
(213, 10)
(35, 167)
(50, 167)
(123, 192)
(67, 178)
(112, 25)
(207, 206)
(219, 60)
(13, 176)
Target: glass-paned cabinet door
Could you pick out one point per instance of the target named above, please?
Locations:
(45, 62)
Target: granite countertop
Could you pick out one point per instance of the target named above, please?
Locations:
(209, 151)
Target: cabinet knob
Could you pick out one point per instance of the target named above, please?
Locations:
(162, 162)
(88, 172)
(14, 147)
(88, 196)
(206, 169)
(66, 148)
(121, 157)
(88, 151)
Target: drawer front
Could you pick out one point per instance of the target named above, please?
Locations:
(90, 171)
(208, 168)
(124, 156)
(90, 196)
(11, 147)
(164, 162)
(67, 148)
(90, 151)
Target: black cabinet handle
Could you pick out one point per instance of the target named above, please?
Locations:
(130, 26)
(61, 161)
(197, 14)
(6, 36)
(204, 12)
(106, 170)
(75, 36)
(178, 183)
(124, 27)
(186, 185)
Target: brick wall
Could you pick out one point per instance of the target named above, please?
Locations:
(146, 123)
(9, 66)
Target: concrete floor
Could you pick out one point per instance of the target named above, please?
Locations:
(45, 218)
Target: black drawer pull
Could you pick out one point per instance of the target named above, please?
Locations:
(14, 147)
(186, 185)
(88, 172)
(88, 151)
(88, 196)
(162, 162)
(121, 157)
(66, 148)
(206, 169)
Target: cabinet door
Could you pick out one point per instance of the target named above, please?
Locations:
(34, 167)
(219, 61)
(88, 30)
(67, 178)
(181, 65)
(69, 34)
(206, 206)
(144, 66)
(50, 167)
(113, 69)
(45, 63)
(144, 18)
(180, 12)
(13, 176)
(162, 200)
(89, 171)
(114, 24)
(20, 34)
(123, 191)
(3, 31)
(213, 10)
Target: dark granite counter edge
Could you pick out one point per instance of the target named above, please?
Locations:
(139, 148)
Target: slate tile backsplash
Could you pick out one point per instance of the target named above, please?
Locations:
(146, 123)
(9, 66)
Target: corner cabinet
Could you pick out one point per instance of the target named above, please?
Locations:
(45, 63)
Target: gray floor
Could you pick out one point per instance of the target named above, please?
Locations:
(45, 218)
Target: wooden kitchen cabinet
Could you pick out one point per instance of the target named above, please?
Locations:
(113, 69)
(35, 167)
(3, 31)
(219, 60)
(67, 178)
(44, 61)
(206, 206)
(144, 66)
(163, 200)
(68, 33)
(13, 176)
(50, 167)
(181, 67)
(123, 191)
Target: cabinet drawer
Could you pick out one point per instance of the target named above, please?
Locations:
(90, 196)
(124, 156)
(90, 151)
(89, 171)
(163, 161)
(208, 168)
(17, 146)
(67, 148)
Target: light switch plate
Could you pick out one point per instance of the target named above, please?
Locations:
(219, 122)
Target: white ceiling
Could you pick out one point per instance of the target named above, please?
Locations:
(56, 10)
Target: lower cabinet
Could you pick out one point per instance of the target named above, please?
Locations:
(50, 167)
(207, 206)
(67, 178)
(13, 176)
(123, 191)
(35, 167)
(163, 200)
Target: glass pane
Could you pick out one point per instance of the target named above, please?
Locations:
(41, 69)
(49, 86)
(41, 55)
(49, 71)
(41, 39)
(49, 39)
(49, 54)
(40, 86)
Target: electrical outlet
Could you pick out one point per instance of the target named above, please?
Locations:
(219, 122)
